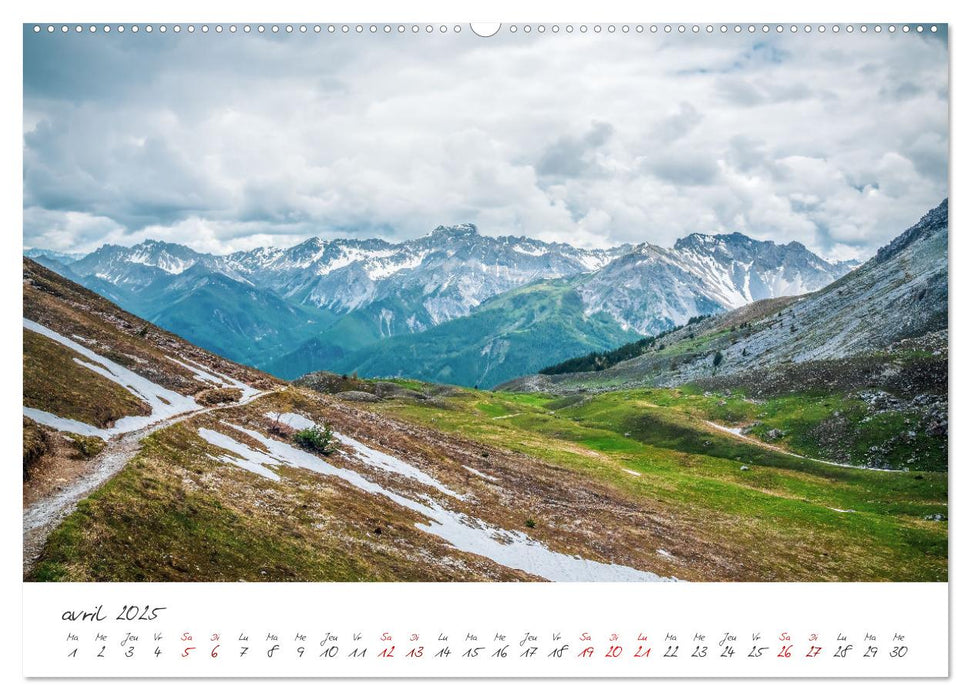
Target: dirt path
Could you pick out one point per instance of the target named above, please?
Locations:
(775, 448)
(46, 513)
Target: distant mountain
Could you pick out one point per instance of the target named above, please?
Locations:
(652, 289)
(392, 289)
(882, 315)
(226, 316)
(501, 339)
(231, 318)
(647, 290)
(55, 255)
(335, 304)
(110, 262)
(53, 264)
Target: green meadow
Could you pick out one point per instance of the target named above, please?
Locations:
(798, 518)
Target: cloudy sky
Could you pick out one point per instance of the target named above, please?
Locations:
(226, 142)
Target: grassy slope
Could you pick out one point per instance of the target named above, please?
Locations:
(177, 514)
(833, 426)
(817, 405)
(55, 383)
(145, 525)
(72, 391)
(781, 510)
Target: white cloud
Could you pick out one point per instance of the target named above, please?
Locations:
(68, 230)
(225, 142)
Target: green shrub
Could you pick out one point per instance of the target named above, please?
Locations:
(316, 438)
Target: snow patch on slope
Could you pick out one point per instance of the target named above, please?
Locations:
(164, 403)
(509, 548)
(220, 380)
(369, 455)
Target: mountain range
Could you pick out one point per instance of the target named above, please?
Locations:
(887, 314)
(453, 305)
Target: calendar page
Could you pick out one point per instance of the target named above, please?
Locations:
(447, 350)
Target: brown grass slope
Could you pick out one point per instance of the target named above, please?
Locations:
(72, 310)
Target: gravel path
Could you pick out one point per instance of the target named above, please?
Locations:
(44, 515)
(775, 448)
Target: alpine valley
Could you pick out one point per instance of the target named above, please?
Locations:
(724, 410)
(453, 306)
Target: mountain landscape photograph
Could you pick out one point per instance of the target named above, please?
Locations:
(434, 307)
